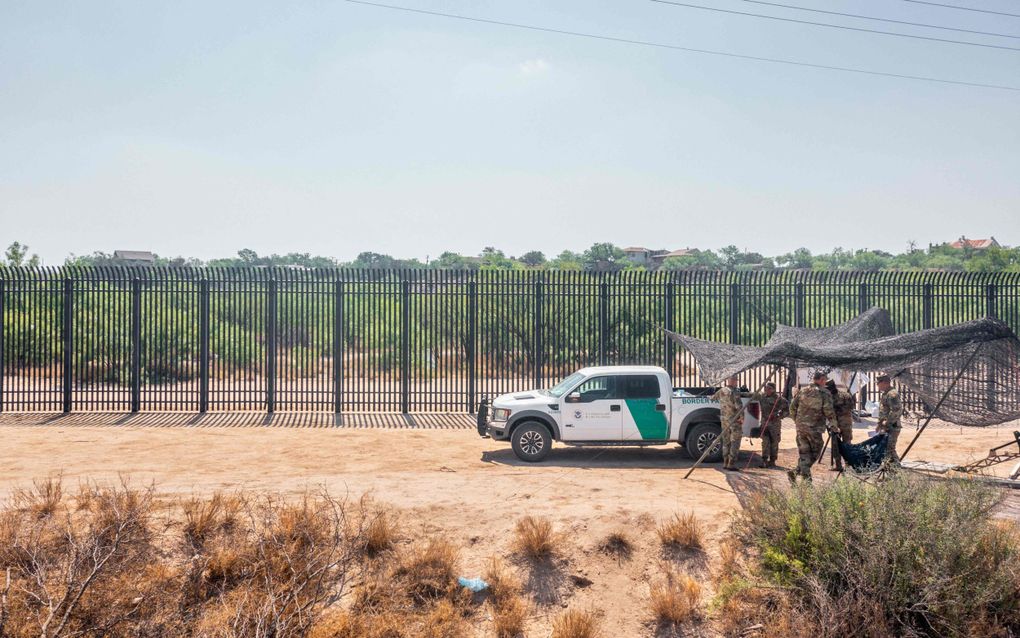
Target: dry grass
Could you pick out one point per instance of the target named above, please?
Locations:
(729, 561)
(617, 544)
(380, 534)
(534, 538)
(509, 608)
(576, 624)
(676, 600)
(682, 531)
(428, 571)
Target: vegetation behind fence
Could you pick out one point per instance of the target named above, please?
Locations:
(281, 339)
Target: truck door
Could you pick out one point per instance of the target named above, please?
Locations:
(644, 414)
(592, 411)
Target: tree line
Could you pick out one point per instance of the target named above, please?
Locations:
(605, 256)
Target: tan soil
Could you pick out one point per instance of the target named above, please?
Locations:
(448, 482)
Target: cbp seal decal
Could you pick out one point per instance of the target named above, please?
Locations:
(577, 414)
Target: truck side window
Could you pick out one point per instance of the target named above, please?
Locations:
(639, 386)
(597, 388)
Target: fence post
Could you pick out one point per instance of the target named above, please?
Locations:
(734, 313)
(539, 350)
(798, 304)
(203, 345)
(338, 352)
(271, 348)
(669, 321)
(2, 369)
(136, 344)
(68, 344)
(472, 338)
(862, 297)
(603, 322)
(928, 306)
(405, 346)
(991, 310)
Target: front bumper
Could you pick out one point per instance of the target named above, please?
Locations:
(498, 431)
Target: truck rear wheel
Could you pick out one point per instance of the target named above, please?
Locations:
(531, 441)
(701, 436)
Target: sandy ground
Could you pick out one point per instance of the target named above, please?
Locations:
(446, 480)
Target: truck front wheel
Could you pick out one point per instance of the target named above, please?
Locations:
(701, 436)
(531, 441)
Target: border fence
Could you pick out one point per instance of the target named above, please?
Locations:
(346, 340)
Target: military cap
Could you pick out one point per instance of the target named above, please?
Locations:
(883, 378)
(770, 385)
(820, 375)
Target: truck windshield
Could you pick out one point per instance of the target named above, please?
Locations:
(564, 385)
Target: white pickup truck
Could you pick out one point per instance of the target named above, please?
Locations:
(609, 405)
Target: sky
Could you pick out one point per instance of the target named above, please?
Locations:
(333, 128)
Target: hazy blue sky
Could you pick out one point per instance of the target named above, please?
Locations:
(198, 128)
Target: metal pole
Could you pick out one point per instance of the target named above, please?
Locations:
(136, 344)
(1, 344)
(68, 343)
(942, 400)
(338, 336)
(405, 347)
(734, 313)
(472, 338)
(203, 339)
(271, 349)
(539, 342)
(670, 346)
(603, 323)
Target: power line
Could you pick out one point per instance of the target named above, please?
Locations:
(955, 6)
(890, 20)
(835, 26)
(674, 47)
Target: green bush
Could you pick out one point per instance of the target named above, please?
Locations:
(906, 557)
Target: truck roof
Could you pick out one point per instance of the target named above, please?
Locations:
(622, 370)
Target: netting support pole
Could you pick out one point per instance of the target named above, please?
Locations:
(942, 400)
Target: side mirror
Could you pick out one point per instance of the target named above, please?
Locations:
(574, 397)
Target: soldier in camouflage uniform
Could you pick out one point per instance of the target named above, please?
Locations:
(812, 411)
(731, 408)
(843, 403)
(773, 408)
(890, 410)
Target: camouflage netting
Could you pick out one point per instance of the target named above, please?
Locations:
(925, 362)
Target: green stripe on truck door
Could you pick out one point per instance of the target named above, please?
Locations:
(650, 422)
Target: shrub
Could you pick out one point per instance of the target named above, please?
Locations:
(617, 544)
(429, 571)
(907, 557)
(380, 534)
(681, 531)
(509, 609)
(676, 600)
(576, 624)
(534, 538)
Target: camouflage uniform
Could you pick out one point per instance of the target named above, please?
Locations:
(773, 409)
(732, 417)
(812, 411)
(843, 403)
(889, 412)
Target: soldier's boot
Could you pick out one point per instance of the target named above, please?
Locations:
(771, 463)
(790, 474)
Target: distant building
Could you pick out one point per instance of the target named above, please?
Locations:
(975, 244)
(662, 255)
(133, 258)
(638, 255)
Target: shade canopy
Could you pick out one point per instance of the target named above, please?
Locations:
(926, 362)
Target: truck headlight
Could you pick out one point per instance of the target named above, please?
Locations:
(500, 414)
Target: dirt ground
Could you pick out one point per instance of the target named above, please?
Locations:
(446, 480)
